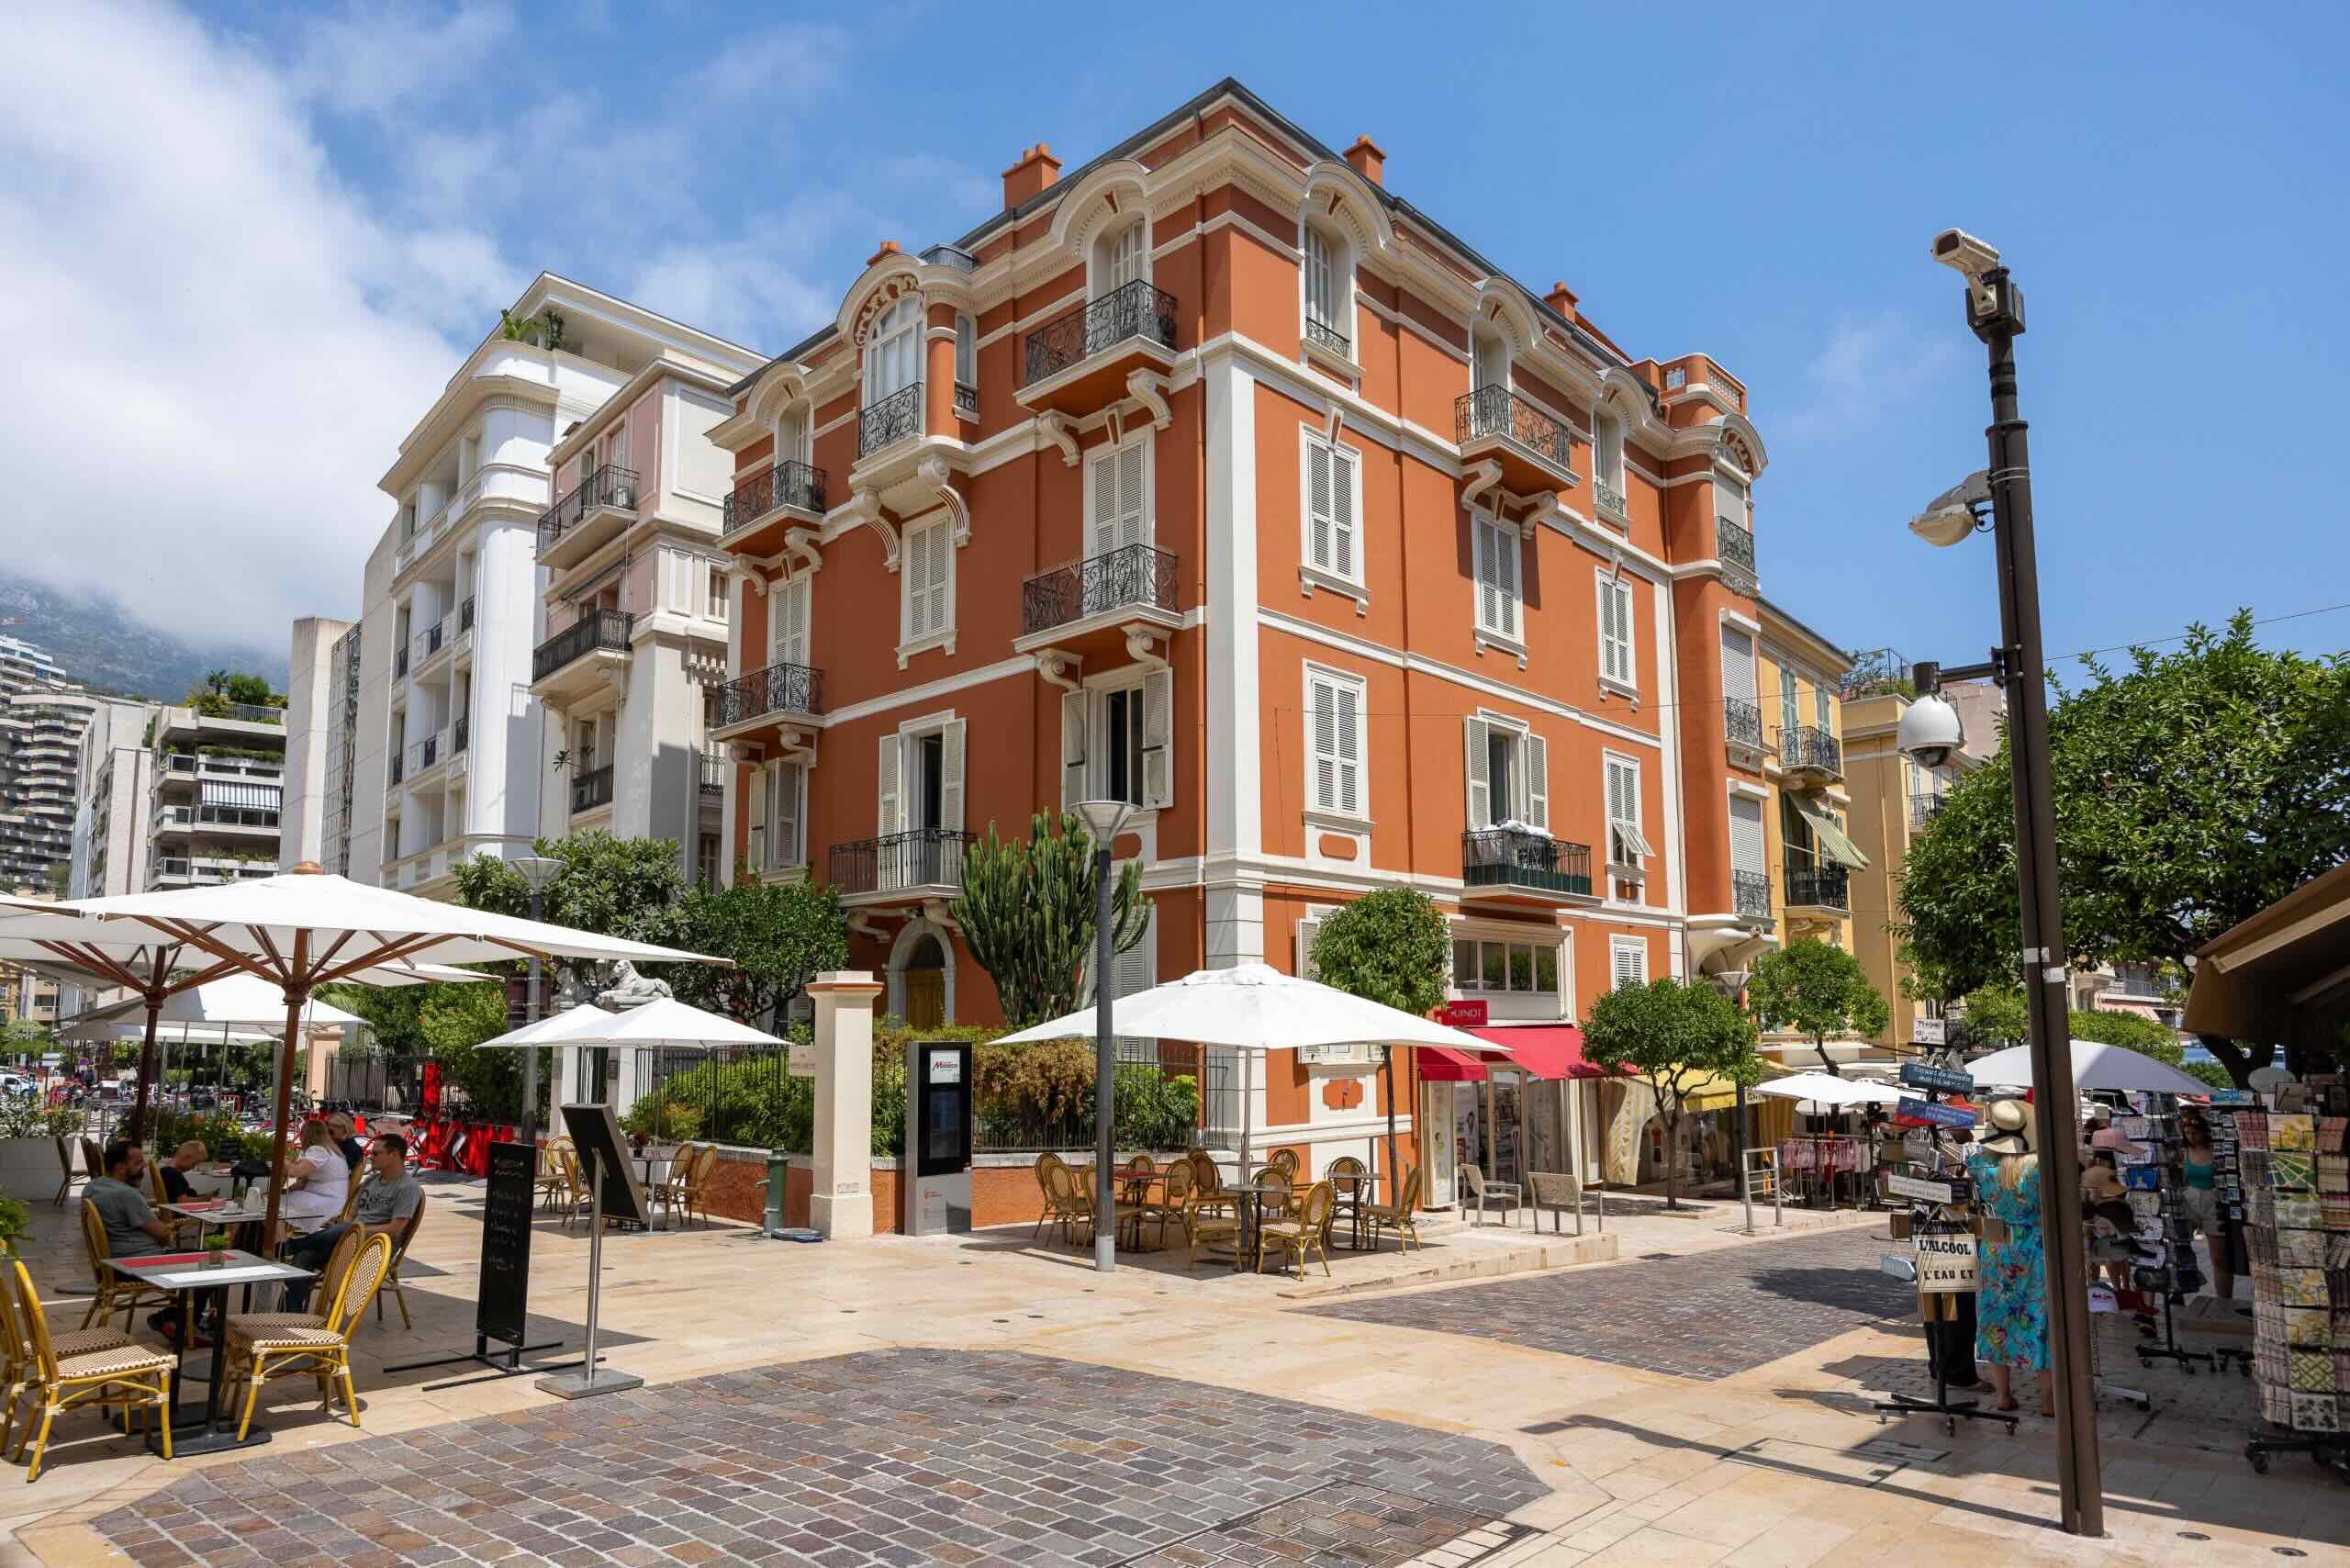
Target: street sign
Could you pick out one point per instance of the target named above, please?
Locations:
(1902, 1186)
(802, 1062)
(1941, 1079)
(1927, 1032)
(1470, 1014)
(1945, 1254)
(1925, 1113)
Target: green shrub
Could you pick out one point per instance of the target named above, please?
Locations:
(662, 1121)
(29, 1118)
(219, 1135)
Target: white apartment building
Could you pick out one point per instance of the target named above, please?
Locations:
(321, 732)
(114, 786)
(449, 754)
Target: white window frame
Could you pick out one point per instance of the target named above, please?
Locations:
(887, 331)
(1479, 939)
(1106, 453)
(1607, 454)
(1335, 814)
(1312, 573)
(1097, 273)
(1086, 775)
(777, 856)
(1339, 268)
(1616, 590)
(1628, 867)
(1790, 700)
(1506, 631)
(795, 435)
(967, 349)
(718, 603)
(1617, 947)
(1530, 785)
(918, 536)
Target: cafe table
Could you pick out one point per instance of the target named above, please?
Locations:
(193, 1275)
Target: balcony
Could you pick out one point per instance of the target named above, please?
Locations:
(967, 400)
(398, 767)
(1517, 861)
(1734, 547)
(1091, 602)
(400, 661)
(1819, 888)
(465, 616)
(180, 767)
(428, 753)
(1750, 895)
(926, 861)
(227, 819)
(711, 768)
(1610, 499)
(1077, 363)
(438, 638)
(795, 490)
(592, 789)
(574, 660)
(1321, 334)
(1534, 449)
(896, 418)
(778, 689)
(1742, 731)
(1924, 809)
(593, 514)
(1809, 755)
(460, 735)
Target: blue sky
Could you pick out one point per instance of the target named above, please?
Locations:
(344, 197)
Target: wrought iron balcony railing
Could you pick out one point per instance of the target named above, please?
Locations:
(399, 660)
(424, 754)
(1498, 411)
(1750, 895)
(1809, 747)
(1734, 545)
(925, 857)
(1513, 857)
(1611, 499)
(967, 400)
(1135, 575)
(1742, 722)
(890, 421)
(436, 637)
(1132, 310)
(711, 767)
(609, 487)
(1818, 887)
(778, 689)
(793, 484)
(398, 765)
(1924, 807)
(460, 733)
(465, 616)
(597, 629)
(592, 789)
(1320, 332)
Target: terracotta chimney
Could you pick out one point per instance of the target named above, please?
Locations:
(889, 248)
(1369, 161)
(1561, 300)
(1036, 169)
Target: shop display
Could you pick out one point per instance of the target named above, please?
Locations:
(2293, 1170)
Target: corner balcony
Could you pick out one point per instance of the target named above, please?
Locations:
(763, 505)
(1089, 609)
(1742, 733)
(1925, 808)
(1517, 865)
(1534, 449)
(1818, 889)
(591, 789)
(1077, 363)
(1734, 548)
(1749, 896)
(582, 657)
(760, 701)
(1810, 755)
(594, 514)
(258, 823)
(924, 863)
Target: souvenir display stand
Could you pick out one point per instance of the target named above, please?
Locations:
(2295, 1177)
(2163, 1261)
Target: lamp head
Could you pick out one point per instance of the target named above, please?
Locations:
(1104, 818)
(538, 870)
(1952, 516)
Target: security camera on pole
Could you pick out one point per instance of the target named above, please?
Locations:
(1930, 733)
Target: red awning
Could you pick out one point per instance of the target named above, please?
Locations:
(1544, 1050)
(1442, 1064)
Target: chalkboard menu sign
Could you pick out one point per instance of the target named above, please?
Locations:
(506, 1244)
(596, 1134)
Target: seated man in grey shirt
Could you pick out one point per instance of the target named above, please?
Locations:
(385, 1206)
(132, 1229)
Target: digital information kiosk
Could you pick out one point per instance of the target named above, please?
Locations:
(938, 1178)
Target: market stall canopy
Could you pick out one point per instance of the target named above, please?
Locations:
(1832, 842)
(665, 1021)
(1868, 1092)
(2115, 1069)
(1710, 1093)
(1257, 1007)
(1819, 1087)
(2282, 977)
(1541, 1050)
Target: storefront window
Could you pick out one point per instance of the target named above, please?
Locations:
(1546, 968)
(1523, 968)
(1464, 965)
(1497, 967)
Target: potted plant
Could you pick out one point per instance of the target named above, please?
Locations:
(14, 1216)
(215, 1247)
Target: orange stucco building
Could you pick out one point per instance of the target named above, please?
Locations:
(1214, 476)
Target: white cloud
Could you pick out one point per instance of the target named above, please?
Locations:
(1867, 366)
(375, 57)
(214, 346)
(790, 60)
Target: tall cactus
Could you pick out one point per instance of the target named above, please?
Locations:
(1027, 914)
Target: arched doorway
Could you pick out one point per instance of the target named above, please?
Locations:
(922, 976)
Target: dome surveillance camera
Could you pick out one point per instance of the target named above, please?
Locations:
(1931, 732)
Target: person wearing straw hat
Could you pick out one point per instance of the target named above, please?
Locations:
(2011, 1308)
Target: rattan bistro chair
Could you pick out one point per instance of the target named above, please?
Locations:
(1308, 1232)
(1173, 1203)
(128, 1377)
(112, 1290)
(324, 1353)
(392, 1275)
(23, 1360)
(1396, 1217)
(1347, 1176)
(325, 1288)
(65, 1166)
(552, 1186)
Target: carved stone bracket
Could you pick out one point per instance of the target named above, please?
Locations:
(745, 572)
(1149, 388)
(1054, 427)
(1476, 479)
(865, 507)
(1060, 669)
(801, 543)
(934, 473)
(1146, 646)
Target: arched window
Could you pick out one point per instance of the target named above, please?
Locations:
(1489, 363)
(1120, 257)
(793, 441)
(893, 353)
(1330, 296)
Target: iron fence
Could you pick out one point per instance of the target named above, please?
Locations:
(1818, 887)
(1734, 545)
(610, 486)
(890, 420)
(1136, 574)
(595, 629)
(592, 789)
(1163, 1099)
(778, 689)
(791, 484)
(1132, 310)
(1498, 411)
(1320, 332)
(1808, 746)
(1750, 895)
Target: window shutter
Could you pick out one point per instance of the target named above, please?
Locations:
(1073, 710)
(887, 812)
(1737, 665)
(941, 564)
(1105, 503)
(1538, 783)
(1342, 512)
(1308, 933)
(1132, 497)
(1746, 842)
(1348, 726)
(917, 559)
(1616, 630)
(1631, 963)
(1730, 500)
(783, 835)
(1488, 609)
(1323, 722)
(791, 604)
(950, 776)
(1319, 523)
(967, 349)
(1133, 972)
(1506, 579)
(1790, 704)
(1317, 277)
(1478, 771)
(1157, 764)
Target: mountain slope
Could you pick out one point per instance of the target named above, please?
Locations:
(100, 645)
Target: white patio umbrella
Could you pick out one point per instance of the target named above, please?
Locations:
(2116, 1068)
(1867, 1091)
(247, 1004)
(304, 928)
(664, 1021)
(1819, 1087)
(1256, 1008)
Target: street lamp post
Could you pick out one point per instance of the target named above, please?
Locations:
(1930, 730)
(540, 872)
(1103, 819)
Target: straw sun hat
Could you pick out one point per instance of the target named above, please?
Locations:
(2011, 1129)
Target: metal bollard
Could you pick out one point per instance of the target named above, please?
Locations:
(779, 1169)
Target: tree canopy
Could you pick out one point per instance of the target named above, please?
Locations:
(629, 888)
(780, 936)
(1393, 947)
(2192, 788)
(1816, 991)
(1673, 1036)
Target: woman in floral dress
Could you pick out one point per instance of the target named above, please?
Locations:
(2011, 1306)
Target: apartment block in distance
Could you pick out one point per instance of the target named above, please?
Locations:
(41, 732)
(1214, 477)
(116, 787)
(449, 754)
(321, 733)
(218, 793)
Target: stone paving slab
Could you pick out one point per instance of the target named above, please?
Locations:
(1706, 1315)
(887, 1457)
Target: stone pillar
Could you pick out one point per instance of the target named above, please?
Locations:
(938, 374)
(840, 1201)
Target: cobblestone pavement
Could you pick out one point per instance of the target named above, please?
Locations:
(981, 1459)
(1702, 1316)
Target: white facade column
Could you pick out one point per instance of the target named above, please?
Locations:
(840, 1203)
(1234, 896)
